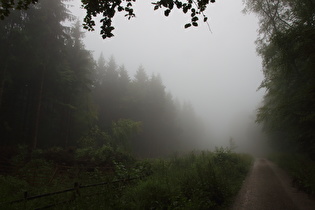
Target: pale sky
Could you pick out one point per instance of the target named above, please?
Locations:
(218, 72)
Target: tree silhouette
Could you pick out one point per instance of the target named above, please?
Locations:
(286, 44)
(109, 8)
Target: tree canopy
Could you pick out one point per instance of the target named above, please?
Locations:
(109, 8)
(44, 72)
(53, 93)
(286, 44)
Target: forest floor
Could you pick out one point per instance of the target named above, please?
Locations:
(267, 187)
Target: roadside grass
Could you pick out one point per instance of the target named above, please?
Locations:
(196, 181)
(199, 180)
(300, 168)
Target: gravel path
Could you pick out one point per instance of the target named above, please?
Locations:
(267, 187)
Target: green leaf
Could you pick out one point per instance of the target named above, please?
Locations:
(179, 5)
(185, 9)
(167, 12)
(171, 5)
(194, 19)
(187, 25)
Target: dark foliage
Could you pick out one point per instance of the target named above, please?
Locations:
(286, 44)
(44, 76)
(109, 8)
(52, 93)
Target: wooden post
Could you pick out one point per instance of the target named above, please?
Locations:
(76, 191)
(25, 198)
(54, 174)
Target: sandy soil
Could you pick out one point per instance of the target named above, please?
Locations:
(267, 187)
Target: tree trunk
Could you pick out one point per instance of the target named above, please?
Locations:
(38, 109)
(2, 83)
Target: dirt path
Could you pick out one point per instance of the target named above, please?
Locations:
(267, 187)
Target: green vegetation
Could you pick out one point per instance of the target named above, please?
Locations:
(195, 181)
(286, 45)
(300, 167)
(52, 92)
(199, 180)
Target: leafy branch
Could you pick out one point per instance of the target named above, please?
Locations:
(109, 8)
(193, 7)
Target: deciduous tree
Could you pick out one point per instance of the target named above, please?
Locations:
(286, 44)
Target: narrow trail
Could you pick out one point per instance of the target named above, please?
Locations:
(267, 187)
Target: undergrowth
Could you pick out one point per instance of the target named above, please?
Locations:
(196, 181)
(300, 168)
(199, 180)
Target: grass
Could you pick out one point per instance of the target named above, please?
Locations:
(203, 180)
(199, 180)
(300, 168)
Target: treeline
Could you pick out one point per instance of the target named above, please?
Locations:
(286, 44)
(166, 124)
(53, 93)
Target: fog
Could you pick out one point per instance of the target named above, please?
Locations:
(157, 114)
(216, 69)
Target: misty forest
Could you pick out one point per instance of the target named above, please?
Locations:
(80, 130)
